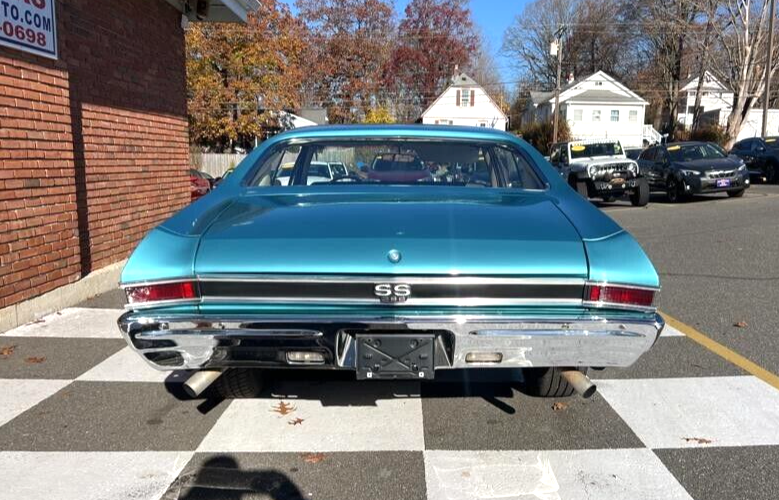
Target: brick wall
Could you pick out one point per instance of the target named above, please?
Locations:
(94, 146)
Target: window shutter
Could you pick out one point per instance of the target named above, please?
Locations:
(458, 97)
(473, 97)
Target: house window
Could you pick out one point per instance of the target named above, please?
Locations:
(598, 83)
(633, 116)
(615, 115)
(690, 110)
(596, 115)
(577, 115)
(483, 124)
(465, 98)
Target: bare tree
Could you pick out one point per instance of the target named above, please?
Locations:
(741, 34)
(528, 38)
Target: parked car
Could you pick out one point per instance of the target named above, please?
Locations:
(761, 157)
(198, 184)
(633, 153)
(682, 169)
(318, 171)
(399, 168)
(600, 169)
(339, 169)
(501, 265)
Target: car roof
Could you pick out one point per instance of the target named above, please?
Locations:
(686, 143)
(381, 131)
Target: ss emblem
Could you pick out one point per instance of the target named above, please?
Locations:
(392, 293)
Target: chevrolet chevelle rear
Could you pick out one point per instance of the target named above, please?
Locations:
(487, 260)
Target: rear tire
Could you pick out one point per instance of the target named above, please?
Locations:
(581, 188)
(640, 197)
(238, 383)
(547, 382)
(738, 193)
(675, 191)
(772, 174)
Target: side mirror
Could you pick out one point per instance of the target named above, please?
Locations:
(761, 149)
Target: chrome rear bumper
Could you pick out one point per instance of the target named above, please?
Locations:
(194, 342)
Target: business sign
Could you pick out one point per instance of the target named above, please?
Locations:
(29, 25)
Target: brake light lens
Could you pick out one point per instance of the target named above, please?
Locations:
(165, 291)
(620, 295)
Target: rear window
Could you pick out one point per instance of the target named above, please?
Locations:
(396, 162)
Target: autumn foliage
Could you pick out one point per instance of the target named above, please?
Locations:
(240, 76)
(352, 57)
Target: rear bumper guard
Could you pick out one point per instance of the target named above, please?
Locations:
(197, 342)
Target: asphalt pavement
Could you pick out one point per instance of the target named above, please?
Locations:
(81, 417)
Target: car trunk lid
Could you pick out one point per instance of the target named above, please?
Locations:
(346, 232)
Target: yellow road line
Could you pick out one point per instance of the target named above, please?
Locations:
(723, 352)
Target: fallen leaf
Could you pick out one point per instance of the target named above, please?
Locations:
(313, 458)
(36, 321)
(34, 360)
(559, 406)
(740, 324)
(698, 440)
(297, 421)
(465, 473)
(283, 408)
(7, 350)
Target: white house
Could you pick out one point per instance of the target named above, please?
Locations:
(596, 107)
(465, 102)
(714, 96)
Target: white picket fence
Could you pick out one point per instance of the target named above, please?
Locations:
(216, 164)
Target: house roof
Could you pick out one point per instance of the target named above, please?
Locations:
(710, 82)
(463, 80)
(604, 96)
(540, 97)
(591, 95)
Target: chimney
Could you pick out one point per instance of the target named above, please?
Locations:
(570, 78)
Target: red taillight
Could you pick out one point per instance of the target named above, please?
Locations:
(163, 291)
(620, 295)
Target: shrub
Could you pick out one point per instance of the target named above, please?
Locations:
(710, 133)
(539, 135)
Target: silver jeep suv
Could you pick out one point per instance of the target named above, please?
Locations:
(600, 169)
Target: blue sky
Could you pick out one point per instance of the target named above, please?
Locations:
(493, 17)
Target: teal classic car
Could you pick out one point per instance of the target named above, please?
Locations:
(489, 259)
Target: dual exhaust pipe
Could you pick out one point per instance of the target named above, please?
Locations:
(200, 381)
(580, 382)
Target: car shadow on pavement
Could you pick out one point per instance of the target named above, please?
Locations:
(220, 477)
(339, 388)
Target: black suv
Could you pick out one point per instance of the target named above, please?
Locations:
(761, 157)
(682, 169)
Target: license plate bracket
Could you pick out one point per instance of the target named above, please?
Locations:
(395, 356)
(721, 183)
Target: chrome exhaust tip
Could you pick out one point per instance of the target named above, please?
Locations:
(200, 381)
(580, 382)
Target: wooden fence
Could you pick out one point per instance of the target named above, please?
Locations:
(216, 164)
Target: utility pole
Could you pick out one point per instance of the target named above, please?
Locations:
(557, 49)
(767, 90)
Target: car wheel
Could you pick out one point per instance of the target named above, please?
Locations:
(772, 174)
(547, 382)
(239, 383)
(580, 187)
(738, 193)
(640, 197)
(674, 190)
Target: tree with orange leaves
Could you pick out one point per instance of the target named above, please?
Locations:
(240, 77)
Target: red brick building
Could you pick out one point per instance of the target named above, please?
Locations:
(93, 143)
